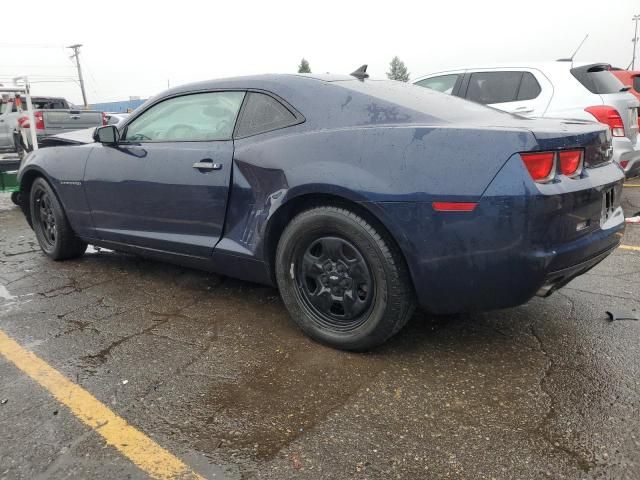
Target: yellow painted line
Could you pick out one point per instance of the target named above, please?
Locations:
(629, 247)
(133, 444)
(630, 186)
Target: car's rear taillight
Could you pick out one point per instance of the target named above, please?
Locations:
(23, 122)
(570, 161)
(104, 119)
(540, 165)
(624, 163)
(39, 118)
(609, 116)
(544, 166)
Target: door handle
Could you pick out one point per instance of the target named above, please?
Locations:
(523, 110)
(207, 165)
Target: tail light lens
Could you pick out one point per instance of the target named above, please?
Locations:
(454, 206)
(570, 161)
(104, 119)
(624, 163)
(23, 122)
(609, 116)
(39, 117)
(539, 164)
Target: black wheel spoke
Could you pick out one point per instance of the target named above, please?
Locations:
(353, 305)
(311, 265)
(321, 299)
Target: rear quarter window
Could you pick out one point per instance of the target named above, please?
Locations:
(262, 113)
(493, 87)
(529, 87)
(636, 83)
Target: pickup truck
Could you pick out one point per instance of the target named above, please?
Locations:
(53, 115)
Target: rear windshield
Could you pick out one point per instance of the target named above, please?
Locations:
(597, 79)
(423, 100)
(49, 103)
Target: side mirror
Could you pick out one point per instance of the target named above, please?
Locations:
(107, 135)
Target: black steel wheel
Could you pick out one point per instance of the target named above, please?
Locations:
(50, 224)
(335, 282)
(46, 220)
(343, 283)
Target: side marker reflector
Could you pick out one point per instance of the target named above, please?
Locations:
(454, 206)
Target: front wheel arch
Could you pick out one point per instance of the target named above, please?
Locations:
(26, 182)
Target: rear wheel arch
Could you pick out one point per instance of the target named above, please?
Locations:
(288, 211)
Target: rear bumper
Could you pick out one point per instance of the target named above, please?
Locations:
(520, 239)
(558, 279)
(627, 155)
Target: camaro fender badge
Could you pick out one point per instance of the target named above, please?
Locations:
(70, 182)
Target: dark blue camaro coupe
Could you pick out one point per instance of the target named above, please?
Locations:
(358, 198)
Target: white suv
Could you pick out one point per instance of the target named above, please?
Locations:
(561, 89)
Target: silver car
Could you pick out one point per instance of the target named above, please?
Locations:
(561, 89)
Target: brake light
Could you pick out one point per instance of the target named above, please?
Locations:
(104, 119)
(539, 165)
(39, 118)
(23, 122)
(624, 163)
(609, 116)
(570, 161)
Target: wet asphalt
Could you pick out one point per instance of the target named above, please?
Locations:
(213, 370)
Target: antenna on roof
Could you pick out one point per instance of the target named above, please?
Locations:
(570, 59)
(361, 73)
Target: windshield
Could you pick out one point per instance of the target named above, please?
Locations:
(597, 79)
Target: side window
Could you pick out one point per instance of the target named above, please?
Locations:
(636, 83)
(442, 83)
(188, 118)
(263, 113)
(493, 87)
(529, 88)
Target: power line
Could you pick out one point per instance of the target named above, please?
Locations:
(28, 45)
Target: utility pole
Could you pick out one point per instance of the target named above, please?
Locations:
(635, 41)
(76, 55)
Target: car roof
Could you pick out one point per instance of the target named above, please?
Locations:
(544, 66)
(263, 81)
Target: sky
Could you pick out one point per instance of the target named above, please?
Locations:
(137, 48)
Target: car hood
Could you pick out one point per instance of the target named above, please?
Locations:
(76, 137)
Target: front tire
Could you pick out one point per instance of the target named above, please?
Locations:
(53, 231)
(344, 284)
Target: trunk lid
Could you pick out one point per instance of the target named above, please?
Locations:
(65, 120)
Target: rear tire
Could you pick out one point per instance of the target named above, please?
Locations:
(53, 231)
(344, 284)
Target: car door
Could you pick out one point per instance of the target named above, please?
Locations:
(165, 185)
(525, 92)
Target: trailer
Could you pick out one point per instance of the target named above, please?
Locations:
(10, 163)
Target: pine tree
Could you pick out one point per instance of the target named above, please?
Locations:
(398, 70)
(304, 67)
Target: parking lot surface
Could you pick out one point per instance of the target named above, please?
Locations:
(212, 370)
